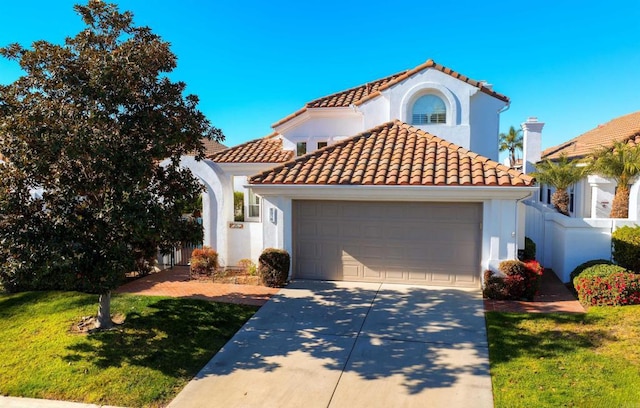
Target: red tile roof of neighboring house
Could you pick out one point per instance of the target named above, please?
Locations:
(211, 146)
(370, 90)
(624, 129)
(394, 153)
(265, 150)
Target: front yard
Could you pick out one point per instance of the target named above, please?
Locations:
(146, 361)
(563, 360)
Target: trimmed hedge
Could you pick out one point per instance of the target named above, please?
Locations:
(520, 280)
(204, 262)
(626, 247)
(529, 249)
(608, 288)
(274, 267)
(580, 268)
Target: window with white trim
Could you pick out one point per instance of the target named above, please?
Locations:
(428, 109)
(253, 206)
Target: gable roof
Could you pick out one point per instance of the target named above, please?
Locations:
(370, 90)
(264, 150)
(624, 129)
(394, 153)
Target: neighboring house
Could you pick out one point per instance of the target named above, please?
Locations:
(565, 242)
(593, 196)
(396, 180)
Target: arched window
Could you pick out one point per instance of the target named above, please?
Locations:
(428, 109)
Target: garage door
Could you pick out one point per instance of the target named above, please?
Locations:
(423, 243)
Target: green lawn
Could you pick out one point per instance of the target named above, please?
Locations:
(162, 344)
(561, 360)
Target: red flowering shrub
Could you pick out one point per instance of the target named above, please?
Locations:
(520, 280)
(616, 288)
(204, 262)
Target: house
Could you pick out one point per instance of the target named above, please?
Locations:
(395, 180)
(565, 242)
(592, 197)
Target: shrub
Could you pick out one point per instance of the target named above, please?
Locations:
(529, 249)
(248, 266)
(601, 270)
(626, 247)
(608, 287)
(274, 267)
(494, 286)
(521, 280)
(203, 262)
(580, 268)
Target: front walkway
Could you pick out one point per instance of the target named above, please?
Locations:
(553, 297)
(175, 283)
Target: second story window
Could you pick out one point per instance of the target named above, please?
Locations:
(301, 148)
(428, 109)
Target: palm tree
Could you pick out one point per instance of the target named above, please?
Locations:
(621, 163)
(511, 142)
(560, 174)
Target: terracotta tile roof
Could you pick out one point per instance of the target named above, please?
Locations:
(370, 90)
(211, 146)
(394, 153)
(265, 150)
(625, 128)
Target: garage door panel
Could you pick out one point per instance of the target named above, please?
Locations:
(430, 243)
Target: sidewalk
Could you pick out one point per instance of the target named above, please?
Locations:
(553, 297)
(175, 283)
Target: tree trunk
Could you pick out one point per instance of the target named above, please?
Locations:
(104, 312)
(560, 199)
(512, 158)
(620, 206)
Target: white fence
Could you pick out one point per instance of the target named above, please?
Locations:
(562, 242)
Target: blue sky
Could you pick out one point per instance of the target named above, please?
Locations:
(573, 64)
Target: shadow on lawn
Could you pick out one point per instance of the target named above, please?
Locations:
(552, 335)
(176, 337)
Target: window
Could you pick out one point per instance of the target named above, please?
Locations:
(428, 109)
(548, 196)
(322, 144)
(301, 148)
(254, 205)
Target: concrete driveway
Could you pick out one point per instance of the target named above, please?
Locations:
(344, 344)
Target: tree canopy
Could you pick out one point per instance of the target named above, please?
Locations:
(88, 124)
(511, 142)
(560, 174)
(621, 163)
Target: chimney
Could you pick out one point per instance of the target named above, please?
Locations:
(532, 144)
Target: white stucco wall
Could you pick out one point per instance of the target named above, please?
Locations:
(320, 125)
(217, 200)
(245, 241)
(484, 125)
(563, 243)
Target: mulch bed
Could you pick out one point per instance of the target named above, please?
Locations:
(235, 276)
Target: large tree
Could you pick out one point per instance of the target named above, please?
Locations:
(511, 142)
(87, 126)
(560, 174)
(621, 163)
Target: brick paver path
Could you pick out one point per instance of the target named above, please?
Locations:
(553, 297)
(175, 282)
